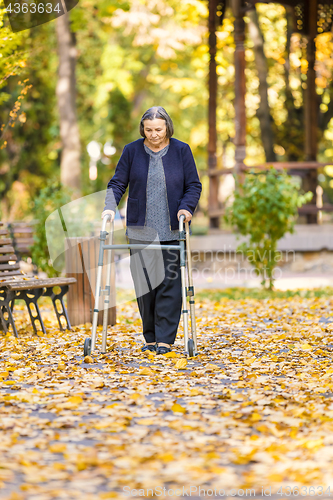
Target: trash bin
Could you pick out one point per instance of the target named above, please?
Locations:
(81, 257)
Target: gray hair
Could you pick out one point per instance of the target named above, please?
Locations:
(157, 112)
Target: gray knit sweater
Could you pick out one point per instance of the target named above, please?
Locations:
(157, 222)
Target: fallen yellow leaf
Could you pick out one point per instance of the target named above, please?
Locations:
(105, 495)
(250, 361)
(171, 354)
(146, 421)
(58, 448)
(211, 367)
(255, 416)
(166, 457)
(134, 396)
(181, 364)
(97, 384)
(16, 356)
(194, 392)
(177, 408)
(75, 399)
(313, 443)
(146, 371)
(88, 359)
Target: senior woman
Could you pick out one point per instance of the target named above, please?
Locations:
(163, 184)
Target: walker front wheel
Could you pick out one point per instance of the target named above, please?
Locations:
(87, 347)
(190, 348)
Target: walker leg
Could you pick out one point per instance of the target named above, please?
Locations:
(191, 289)
(193, 325)
(185, 310)
(98, 285)
(183, 280)
(105, 326)
(107, 293)
(96, 310)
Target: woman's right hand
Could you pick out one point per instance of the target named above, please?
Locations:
(106, 212)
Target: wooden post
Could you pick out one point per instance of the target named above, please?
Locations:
(240, 87)
(311, 106)
(213, 203)
(81, 263)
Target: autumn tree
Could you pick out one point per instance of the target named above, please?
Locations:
(263, 111)
(70, 167)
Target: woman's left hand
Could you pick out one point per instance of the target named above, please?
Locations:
(188, 215)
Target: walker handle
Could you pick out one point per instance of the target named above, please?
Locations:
(181, 222)
(105, 221)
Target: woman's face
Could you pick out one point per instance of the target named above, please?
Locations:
(155, 131)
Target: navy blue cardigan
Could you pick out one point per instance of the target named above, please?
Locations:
(182, 181)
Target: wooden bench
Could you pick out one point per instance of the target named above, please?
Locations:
(14, 285)
(22, 237)
(21, 233)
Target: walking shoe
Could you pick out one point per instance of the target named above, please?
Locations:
(162, 349)
(149, 348)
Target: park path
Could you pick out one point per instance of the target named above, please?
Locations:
(253, 410)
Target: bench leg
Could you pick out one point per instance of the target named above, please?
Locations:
(6, 306)
(59, 296)
(34, 296)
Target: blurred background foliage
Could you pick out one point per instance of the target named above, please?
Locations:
(132, 55)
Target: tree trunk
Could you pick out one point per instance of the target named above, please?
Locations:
(311, 110)
(240, 90)
(143, 91)
(69, 131)
(213, 204)
(263, 112)
(294, 115)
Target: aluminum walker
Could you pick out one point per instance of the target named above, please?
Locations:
(190, 343)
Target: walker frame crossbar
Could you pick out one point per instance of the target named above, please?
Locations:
(190, 342)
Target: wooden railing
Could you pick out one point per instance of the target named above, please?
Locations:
(290, 165)
(293, 168)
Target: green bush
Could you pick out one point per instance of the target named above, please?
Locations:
(50, 198)
(265, 209)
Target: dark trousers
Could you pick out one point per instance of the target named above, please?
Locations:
(157, 283)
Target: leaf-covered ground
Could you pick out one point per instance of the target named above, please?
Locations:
(253, 410)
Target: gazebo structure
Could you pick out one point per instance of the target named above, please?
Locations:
(311, 17)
